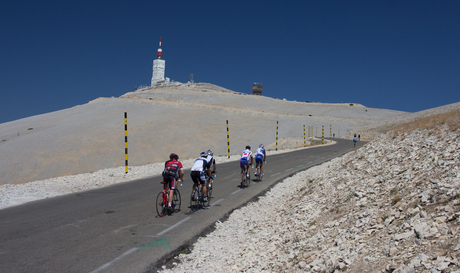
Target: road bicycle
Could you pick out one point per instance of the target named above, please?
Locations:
(246, 177)
(209, 188)
(260, 175)
(196, 198)
(163, 200)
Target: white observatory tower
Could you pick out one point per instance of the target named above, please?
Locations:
(158, 74)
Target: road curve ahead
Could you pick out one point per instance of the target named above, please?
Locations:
(116, 229)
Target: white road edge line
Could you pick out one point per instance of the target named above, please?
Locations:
(236, 191)
(288, 169)
(274, 174)
(114, 260)
(173, 226)
(217, 202)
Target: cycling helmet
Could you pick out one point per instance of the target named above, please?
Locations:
(248, 147)
(173, 155)
(261, 146)
(210, 152)
(203, 154)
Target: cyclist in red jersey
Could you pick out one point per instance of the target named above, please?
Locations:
(173, 172)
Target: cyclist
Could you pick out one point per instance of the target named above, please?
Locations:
(173, 172)
(211, 162)
(246, 156)
(261, 156)
(354, 140)
(197, 173)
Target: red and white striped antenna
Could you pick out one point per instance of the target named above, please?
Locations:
(159, 52)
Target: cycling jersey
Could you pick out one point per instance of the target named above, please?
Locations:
(200, 165)
(245, 156)
(198, 169)
(211, 161)
(172, 168)
(260, 155)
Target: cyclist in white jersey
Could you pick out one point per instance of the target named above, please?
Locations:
(197, 173)
(261, 156)
(246, 156)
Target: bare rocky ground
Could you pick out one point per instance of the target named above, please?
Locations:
(391, 206)
(90, 137)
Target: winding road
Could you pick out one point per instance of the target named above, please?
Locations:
(116, 228)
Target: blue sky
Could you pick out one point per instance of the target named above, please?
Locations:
(399, 55)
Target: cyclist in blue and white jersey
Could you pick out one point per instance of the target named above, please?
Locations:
(261, 156)
(197, 173)
(246, 156)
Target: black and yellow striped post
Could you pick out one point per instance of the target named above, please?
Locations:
(228, 141)
(330, 132)
(322, 135)
(126, 142)
(304, 140)
(277, 135)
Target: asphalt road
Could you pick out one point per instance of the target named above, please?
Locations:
(116, 229)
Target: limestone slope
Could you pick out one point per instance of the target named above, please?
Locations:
(391, 206)
(180, 119)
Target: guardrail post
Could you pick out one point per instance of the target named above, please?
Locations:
(126, 142)
(277, 135)
(304, 140)
(228, 141)
(322, 135)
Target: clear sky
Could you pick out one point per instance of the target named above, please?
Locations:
(399, 55)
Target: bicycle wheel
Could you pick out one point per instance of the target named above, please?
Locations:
(194, 200)
(245, 178)
(162, 207)
(176, 200)
(248, 179)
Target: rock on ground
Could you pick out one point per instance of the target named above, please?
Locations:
(391, 206)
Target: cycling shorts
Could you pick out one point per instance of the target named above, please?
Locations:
(244, 163)
(259, 159)
(198, 177)
(171, 181)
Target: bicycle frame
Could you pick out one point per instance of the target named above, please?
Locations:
(196, 198)
(162, 200)
(246, 179)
